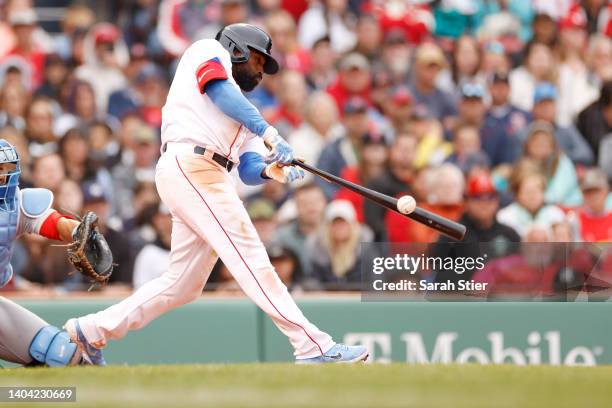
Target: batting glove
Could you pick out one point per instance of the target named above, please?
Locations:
(283, 174)
(280, 151)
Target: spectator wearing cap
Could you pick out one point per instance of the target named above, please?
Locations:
(287, 51)
(432, 149)
(335, 250)
(153, 259)
(595, 122)
(105, 56)
(444, 189)
(398, 108)
(327, 19)
(24, 24)
(94, 199)
(538, 66)
(414, 18)
(342, 151)
(286, 264)
(503, 123)
(373, 155)
(528, 186)
(594, 216)
(562, 182)
(485, 234)
(319, 127)
(569, 140)
(396, 180)
(54, 75)
(353, 80)
(292, 93)
(429, 62)
(397, 55)
(310, 205)
(263, 214)
(494, 59)
(322, 65)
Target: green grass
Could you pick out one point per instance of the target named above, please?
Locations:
(288, 385)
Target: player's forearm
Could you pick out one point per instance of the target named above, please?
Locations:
(251, 169)
(235, 105)
(65, 226)
(58, 227)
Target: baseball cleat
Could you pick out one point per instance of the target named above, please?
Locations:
(91, 355)
(340, 353)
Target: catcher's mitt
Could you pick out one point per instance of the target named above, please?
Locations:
(89, 252)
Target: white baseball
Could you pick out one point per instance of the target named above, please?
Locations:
(406, 204)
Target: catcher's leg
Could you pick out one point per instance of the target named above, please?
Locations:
(203, 195)
(191, 261)
(27, 339)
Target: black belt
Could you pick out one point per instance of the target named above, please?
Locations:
(222, 160)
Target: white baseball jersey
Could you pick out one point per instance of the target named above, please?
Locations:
(190, 116)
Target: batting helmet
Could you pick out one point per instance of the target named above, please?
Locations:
(10, 174)
(244, 37)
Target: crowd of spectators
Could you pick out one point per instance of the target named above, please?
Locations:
(494, 113)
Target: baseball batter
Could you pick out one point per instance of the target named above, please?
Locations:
(208, 128)
(24, 337)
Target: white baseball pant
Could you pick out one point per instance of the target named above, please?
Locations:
(208, 221)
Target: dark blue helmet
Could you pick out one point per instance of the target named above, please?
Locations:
(9, 175)
(243, 37)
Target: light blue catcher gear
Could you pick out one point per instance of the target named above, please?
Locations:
(52, 346)
(9, 207)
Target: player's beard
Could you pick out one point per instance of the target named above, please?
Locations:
(246, 80)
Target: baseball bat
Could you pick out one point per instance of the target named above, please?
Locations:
(444, 225)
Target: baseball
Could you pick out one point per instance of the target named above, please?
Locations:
(406, 204)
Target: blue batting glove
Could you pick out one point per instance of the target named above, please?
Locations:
(280, 151)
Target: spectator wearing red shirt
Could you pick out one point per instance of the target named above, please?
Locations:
(353, 80)
(373, 153)
(595, 220)
(24, 23)
(416, 20)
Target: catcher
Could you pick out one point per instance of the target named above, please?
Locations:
(24, 337)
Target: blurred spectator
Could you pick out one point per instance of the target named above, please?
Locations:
(373, 154)
(397, 55)
(310, 204)
(322, 65)
(466, 61)
(17, 139)
(484, 233)
(285, 263)
(429, 61)
(54, 75)
(568, 138)
(69, 198)
(538, 66)
(594, 218)
(432, 149)
(74, 150)
(544, 29)
(503, 122)
(287, 51)
(105, 56)
(341, 152)
(394, 181)
(81, 106)
(494, 59)
(399, 107)
(288, 115)
(24, 23)
(444, 195)
(153, 259)
(14, 100)
(353, 80)
(94, 200)
(467, 151)
(78, 18)
(562, 181)
(335, 251)
(528, 185)
(39, 126)
(328, 18)
(262, 213)
(319, 127)
(369, 37)
(48, 172)
(595, 122)
(414, 18)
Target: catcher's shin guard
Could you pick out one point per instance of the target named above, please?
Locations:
(52, 346)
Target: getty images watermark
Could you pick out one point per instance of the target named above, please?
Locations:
(499, 270)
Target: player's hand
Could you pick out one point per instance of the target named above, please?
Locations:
(280, 151)
(283, 174)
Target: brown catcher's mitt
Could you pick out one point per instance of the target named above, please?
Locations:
(89, 252)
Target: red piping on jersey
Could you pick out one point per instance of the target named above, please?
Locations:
(234, 141)
(242, 258)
